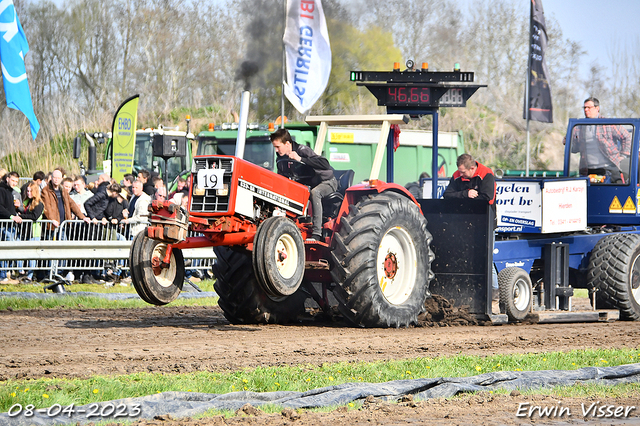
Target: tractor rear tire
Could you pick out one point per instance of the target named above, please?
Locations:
(614, 273)
(516, 293)
(382, 262)
(242, 298)
(159, 285)
(278, 256)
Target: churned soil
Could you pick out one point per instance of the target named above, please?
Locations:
(82, 343)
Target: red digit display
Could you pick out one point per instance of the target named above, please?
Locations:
(392, 94)
(408, 95)
(402, 94)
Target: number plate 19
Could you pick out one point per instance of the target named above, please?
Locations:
(210, 178)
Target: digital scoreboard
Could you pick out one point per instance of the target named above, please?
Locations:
(414, 95)
(415, 90)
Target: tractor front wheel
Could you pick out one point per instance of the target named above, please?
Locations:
(278, 256)
(155, 282)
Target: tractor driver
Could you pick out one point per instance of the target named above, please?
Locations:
(323, 183)
(604, 150)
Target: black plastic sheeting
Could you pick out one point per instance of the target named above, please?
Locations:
(187, 404)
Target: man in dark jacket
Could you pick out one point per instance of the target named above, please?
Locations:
(414, 188)
(8, 232)
(472, 180)
(144, 176)
(96, 205)
(7, 200)
(324, 182)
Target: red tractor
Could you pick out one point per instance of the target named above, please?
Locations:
(373, 264)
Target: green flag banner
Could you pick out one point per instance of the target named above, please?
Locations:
(123, 143)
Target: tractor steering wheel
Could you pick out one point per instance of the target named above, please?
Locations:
(295, 170)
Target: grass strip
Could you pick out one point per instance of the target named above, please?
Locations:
(71, 301)
(45, 392)
(82, 302)
(206, 285)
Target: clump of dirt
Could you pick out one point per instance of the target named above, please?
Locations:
(439, 312)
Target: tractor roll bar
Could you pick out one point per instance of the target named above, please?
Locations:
(384, 120)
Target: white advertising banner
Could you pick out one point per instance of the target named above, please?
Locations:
(308, 53)
(518, 206)
(564, 206)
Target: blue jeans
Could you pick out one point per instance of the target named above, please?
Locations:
(7, 234)
(32, 263)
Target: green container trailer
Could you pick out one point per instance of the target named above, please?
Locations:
(345, 148)
(350, 148)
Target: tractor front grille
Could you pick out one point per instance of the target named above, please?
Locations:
(211, 202)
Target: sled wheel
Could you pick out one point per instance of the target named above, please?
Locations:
(161, 285)
(516, 293)
(382, 262)
(242, 298)
(278, 256)
(614, 272)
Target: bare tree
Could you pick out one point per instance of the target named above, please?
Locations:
(90, 55)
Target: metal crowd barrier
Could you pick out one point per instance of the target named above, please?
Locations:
(76, 246)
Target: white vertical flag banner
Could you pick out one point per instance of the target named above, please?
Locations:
(308, 53)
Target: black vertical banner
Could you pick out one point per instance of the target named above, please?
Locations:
(539, 102)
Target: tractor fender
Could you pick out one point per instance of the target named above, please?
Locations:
(354, 193)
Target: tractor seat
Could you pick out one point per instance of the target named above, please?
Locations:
(331, 203)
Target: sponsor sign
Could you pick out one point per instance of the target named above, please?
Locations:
(518, 206)
(308, 53)
(564, 206)
(124, 138)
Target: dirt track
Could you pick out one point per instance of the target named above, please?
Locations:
(81, 343)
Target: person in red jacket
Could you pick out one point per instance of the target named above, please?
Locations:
(472, 180)
(476, 181)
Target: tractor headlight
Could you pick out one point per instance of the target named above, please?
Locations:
(223, 192)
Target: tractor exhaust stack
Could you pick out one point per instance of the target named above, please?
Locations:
(242, 123)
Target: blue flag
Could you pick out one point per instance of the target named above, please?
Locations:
(13, 48)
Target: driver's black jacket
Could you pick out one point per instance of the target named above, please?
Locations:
(320, 165)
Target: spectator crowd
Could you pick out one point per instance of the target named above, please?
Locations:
(107, 208)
